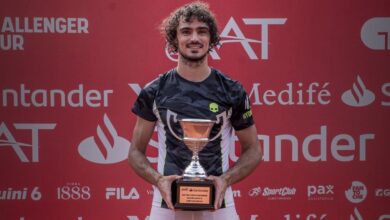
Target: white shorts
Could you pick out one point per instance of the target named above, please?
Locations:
(158, 213)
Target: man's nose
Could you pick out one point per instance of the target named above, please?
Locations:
(194, 36)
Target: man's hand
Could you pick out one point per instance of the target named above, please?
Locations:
(164, 184)
(220, 188)
(250, 157)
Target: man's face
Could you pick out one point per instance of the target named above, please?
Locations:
(193, 39)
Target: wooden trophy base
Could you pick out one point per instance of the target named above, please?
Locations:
(193, 194)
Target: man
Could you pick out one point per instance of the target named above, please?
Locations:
(193, 90)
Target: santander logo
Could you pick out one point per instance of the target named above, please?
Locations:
(356, 215)
(107, 147)
(359, 95)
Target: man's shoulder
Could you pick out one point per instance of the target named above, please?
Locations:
(156, 82)
(227, 80)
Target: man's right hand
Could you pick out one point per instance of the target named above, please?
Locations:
(164, 184)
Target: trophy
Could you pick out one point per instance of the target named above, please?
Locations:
(193, 191)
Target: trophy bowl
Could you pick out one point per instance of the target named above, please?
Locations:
(193, 191)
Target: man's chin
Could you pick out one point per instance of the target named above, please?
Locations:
(194, 58)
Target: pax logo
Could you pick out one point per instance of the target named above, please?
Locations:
(357, 192)
(107, 148)
(232, 33)
(121, 193)
(321, 192)
(7, 139)
(375, 33)
(359, 95)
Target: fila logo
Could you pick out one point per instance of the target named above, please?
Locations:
(121, 194)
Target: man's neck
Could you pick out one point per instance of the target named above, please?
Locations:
(193, 71)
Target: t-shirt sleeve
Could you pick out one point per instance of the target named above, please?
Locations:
(241, 110)
(143, 106)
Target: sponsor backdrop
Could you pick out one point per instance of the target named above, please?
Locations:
(317, 73)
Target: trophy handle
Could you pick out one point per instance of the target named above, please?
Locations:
(174, 115)
(220, 119)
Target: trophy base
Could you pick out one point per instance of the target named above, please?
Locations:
(193, 194)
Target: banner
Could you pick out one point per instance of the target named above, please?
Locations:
(317, 73)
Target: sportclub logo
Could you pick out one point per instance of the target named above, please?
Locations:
(359, 95)
(357, 192)
(107, 148)
(280, 193)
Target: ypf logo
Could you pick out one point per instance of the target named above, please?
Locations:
(375, 33)
(357, 192)
(359, 95)
(108, 148)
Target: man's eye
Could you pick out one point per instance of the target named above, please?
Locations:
(203, 31)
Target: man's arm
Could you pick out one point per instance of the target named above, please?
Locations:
(142, 133)
(250, 157)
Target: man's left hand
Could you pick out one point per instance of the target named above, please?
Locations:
(220, 188)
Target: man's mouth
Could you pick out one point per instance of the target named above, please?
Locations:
(194, 46)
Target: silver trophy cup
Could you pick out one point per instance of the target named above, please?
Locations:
(194, 192)
(195, 136)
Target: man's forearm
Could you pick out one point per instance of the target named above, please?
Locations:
(247, 162)
(142, 166)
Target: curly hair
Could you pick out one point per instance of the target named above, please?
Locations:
(188, 12)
